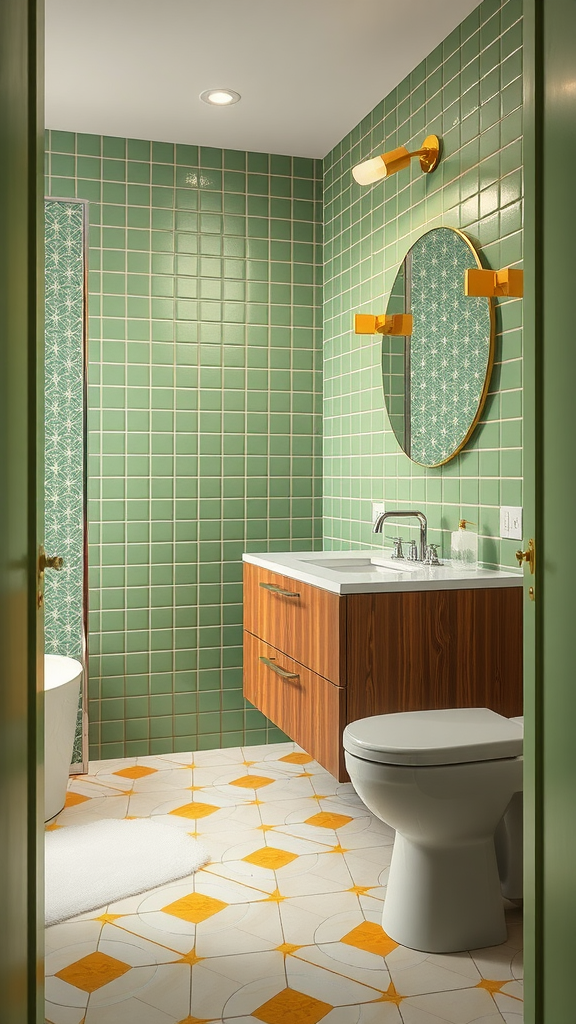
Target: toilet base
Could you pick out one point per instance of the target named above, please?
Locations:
(444, 900)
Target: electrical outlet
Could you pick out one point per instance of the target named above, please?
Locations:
(377, 510)
(511, 522)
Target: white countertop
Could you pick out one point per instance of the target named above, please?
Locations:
(375, 572)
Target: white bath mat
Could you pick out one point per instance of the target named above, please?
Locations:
(88, 866)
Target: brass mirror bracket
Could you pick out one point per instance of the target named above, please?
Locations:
(508, 282)
(396, 325)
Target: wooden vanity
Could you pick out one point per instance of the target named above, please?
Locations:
(315, 660)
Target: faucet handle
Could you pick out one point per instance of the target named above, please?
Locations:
(398, 553)
(432, 555)
(412, 555)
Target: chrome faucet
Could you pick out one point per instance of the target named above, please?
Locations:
(421, 519)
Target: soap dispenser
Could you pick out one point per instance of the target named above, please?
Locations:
(464, 546)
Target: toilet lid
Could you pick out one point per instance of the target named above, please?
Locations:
(450, 736)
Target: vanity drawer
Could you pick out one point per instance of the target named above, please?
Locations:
(308, 708)
(306, 623)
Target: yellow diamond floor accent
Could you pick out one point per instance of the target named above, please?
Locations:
(296, 758)
(495, 986)
(328, 819)
(190, 958)
(370, 937)
(74, 798)
(292, 1007)
(194, 810)
(195, 907)
(269, 857)
(252, 781)
(360, 890)
(93, 972)
(390, 996)
(135, 772)
(287, 948)
(196, 1020)
(274, 897)
(108, 918)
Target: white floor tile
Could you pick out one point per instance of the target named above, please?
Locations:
(230, 755)
(303, 916)
(460, 1007)
(242, 928)
(356, 964)
(164, 992)
(230, 986)
(326, 985)
(63, 1014)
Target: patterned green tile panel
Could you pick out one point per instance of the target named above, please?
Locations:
(64, 433)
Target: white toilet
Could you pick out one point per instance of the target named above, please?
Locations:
(443, 780)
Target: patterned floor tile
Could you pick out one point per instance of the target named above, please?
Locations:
(282, 925)
(368, 969)
(302, 916)
(369, 866)
(63, 1014)
(415, 974)
(460, 1007)
(219, 985)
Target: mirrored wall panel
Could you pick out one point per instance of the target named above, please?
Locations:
(65, 593)
(436, 381)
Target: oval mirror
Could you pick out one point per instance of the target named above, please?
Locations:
(436, 381)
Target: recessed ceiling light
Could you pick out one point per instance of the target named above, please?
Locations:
(220, 97)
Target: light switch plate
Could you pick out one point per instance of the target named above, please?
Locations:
(377, 509)
(511, 522)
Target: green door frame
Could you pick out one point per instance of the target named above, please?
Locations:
(550, 161)
(21, 671)
(550, 354)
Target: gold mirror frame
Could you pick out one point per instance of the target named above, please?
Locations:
(444, 321)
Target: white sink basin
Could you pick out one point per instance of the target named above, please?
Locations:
(364, 564)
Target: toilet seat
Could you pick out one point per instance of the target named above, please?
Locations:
(441, 737)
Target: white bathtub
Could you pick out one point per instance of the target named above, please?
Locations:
(62, 678)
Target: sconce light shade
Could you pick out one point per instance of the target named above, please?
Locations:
(382, 166)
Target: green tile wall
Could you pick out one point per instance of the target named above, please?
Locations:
(468, 91)
(204, 420)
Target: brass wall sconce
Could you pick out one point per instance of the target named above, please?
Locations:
(395, 160)
(396, 324)
(508, 282)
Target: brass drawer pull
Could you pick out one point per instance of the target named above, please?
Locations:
(279, 590)
(279, 671)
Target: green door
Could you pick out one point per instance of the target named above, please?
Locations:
(550, 161)
(21, 296)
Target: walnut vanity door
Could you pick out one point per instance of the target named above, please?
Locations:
(307, 707)
(306, 623)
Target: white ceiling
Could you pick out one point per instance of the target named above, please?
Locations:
(307, 70)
